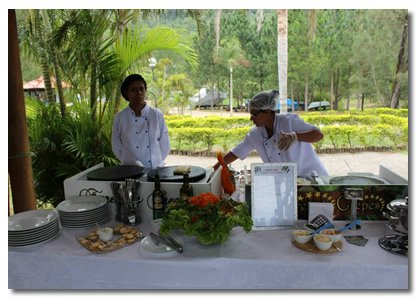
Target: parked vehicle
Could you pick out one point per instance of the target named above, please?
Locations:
(207, 97)
(289, 104)
(318, 105)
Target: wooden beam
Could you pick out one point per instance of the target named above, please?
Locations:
(20, 163)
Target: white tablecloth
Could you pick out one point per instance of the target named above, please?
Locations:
(255, 260)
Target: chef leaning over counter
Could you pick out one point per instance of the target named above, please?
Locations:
(279, 137)
(139, 132)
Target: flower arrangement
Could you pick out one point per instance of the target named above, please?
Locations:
(208, 217)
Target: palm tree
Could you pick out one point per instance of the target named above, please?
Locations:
(106, 57)
(230, 54)
(35, 45)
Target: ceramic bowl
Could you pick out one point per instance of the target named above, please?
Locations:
(301, 236)
(322, 242)
(106, 234)
(333, 234)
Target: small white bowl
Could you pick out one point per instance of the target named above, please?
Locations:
(333, 234)
(322, 242)
(301, 236)
(106, 234)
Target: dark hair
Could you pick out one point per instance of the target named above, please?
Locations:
(129, 80)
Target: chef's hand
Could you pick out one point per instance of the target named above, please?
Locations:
(285, 140)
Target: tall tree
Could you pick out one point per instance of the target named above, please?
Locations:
(282, 30)
(402, 63)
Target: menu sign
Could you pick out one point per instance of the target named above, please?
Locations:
(273, 199)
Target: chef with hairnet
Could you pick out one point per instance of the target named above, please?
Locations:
(279, 138)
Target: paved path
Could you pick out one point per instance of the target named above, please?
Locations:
(336, 164)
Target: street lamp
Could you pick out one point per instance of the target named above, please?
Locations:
(152, 65)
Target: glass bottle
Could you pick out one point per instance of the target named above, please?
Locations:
(159, 200)
(186, 188)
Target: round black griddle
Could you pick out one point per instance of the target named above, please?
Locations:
(166, 174)
(116, 173)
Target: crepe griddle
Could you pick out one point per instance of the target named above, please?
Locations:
(116, 173)
(166, 174)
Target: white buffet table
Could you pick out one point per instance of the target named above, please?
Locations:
(257, 260)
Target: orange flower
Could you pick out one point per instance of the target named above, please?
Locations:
(204, 199)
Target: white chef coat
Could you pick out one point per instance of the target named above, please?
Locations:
(143, 138)
(301, 153)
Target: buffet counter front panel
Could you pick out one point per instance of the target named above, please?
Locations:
(255, 260)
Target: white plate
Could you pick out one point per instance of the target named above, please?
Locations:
(33, 231)
(35, 240)
(31, 246)
(35, 234)
(81, 204)
(31, 219)
(85, 224)
(98, 216)
(149, 247)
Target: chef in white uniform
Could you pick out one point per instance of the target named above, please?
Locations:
(279, 137)
(139, 132)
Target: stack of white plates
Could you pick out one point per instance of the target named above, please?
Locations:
(83, 212)
(33, 227)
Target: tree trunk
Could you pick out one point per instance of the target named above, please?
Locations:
(306, 91)
(49, 92)
(332, 88)
(282, 30)
(402, 66)
(217, 27)
(19, 162)
(93, 94)
(53, 54)
(336, 91)
(217, 39)
(363, 101)
(59, 85)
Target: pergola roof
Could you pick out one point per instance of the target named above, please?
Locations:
(38, 84)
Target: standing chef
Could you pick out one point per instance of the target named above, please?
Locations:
(139, 132)
(279, 137)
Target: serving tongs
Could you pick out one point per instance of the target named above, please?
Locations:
(167, 240)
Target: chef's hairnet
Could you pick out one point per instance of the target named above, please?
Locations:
(265, 100)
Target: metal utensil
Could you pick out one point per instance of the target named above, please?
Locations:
(156, 239)
(338, 249)
(132, 217)
(178, 246)
(348, 226)
(328, 225)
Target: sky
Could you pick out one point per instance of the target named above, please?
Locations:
(414, 13)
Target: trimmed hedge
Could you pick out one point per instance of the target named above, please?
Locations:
(381, 127)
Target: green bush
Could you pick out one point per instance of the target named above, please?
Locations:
(63, 147)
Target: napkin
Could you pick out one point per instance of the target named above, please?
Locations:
(357, 240)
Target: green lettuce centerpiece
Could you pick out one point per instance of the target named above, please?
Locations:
(208, 217)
